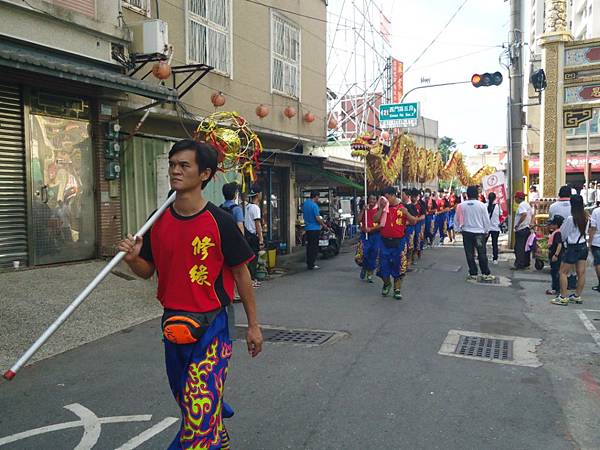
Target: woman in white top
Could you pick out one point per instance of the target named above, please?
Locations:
(574, 235)
(494, 213)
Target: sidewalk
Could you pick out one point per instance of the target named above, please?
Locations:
(31, 299)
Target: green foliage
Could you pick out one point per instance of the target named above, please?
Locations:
(446, 146)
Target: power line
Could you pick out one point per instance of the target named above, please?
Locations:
(437, 36)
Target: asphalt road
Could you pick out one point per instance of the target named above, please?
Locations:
(381, 385)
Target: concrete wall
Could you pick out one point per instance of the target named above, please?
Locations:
(250, 81)
(64, 29)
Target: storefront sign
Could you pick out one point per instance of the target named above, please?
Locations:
(496, 183)
(397, 80)
(575, 117)
(575, 163)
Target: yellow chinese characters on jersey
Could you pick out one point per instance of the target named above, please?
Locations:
(399, 217)
(199, 274)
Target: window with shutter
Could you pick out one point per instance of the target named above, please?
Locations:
(285, 56)
(209, 39)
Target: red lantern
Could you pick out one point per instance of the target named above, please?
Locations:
(161, 70)
(332, 123)
(309, 117)
(217, 99)
(289, 112)
(385, 136)
(262, 111)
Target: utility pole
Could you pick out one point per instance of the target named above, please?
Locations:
(515, 101)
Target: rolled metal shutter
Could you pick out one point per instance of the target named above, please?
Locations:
(13, 200)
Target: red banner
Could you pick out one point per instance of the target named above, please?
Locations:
(397, 80)
(496, 183)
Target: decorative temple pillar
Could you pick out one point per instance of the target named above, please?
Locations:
(553, 140)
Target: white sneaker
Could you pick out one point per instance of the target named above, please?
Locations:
(495, 262)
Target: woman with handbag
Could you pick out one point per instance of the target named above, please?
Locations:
(494, 213)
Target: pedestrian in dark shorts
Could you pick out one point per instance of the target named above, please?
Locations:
(595, 243)
(574, 233)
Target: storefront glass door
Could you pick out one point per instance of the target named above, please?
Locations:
(62, 200)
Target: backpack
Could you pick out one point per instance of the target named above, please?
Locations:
(229, 208)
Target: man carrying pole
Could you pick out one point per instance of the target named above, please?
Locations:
(199, 255)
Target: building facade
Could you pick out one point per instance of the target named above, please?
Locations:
(67, 192)
(583, 24)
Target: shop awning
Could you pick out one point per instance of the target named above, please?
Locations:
(337, 178)
(44, 61)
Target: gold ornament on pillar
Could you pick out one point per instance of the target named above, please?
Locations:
(556, 16)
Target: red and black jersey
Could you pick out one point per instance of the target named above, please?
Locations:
(193, 257)
(431, 206)
(452, 200)
(420, 208)
(395, 224)
(370, 213)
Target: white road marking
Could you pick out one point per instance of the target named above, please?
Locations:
(144, 436)
(88, 432)
(587, 323)
(91, 426)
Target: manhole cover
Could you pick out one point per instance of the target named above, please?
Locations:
(513, 350)
(300, 337)
(485, 348)
(291, 336)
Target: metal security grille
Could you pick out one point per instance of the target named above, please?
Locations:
(13, 203)
(485, 348)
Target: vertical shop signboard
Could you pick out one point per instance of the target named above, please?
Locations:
(496, 183)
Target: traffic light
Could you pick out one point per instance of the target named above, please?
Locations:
(480, 146)
(538, 80)
(486, 79)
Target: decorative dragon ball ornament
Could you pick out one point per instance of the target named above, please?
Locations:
(239, 147)
(417, 165)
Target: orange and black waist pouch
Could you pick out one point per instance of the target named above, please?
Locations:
(182, 327)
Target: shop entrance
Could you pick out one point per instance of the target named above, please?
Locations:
(61, 195)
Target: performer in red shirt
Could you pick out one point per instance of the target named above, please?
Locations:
(199, 253)
(441, 218)
(392, 255)
(431, 204)
(420, 208)
(452, 202)
(370, 241)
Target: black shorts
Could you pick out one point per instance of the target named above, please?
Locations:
(575, 252)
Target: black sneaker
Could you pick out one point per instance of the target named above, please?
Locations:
(596, 288)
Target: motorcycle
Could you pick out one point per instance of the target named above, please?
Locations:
(329, 243)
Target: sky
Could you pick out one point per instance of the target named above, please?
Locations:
(471, 44)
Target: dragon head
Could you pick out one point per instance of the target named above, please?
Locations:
(366, 143)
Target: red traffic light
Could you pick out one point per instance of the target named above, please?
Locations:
(486, 79)
(480, 146)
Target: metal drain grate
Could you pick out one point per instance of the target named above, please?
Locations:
(485, 348)
(300, 337)
(290, 336)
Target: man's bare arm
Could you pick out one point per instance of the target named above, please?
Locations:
(254, 338)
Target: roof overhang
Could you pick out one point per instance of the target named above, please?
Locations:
(45, 61)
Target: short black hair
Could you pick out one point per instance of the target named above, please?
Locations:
(472, 192)
(207, 156)
(230, 189)
(564, 191)
(406, 191)
(414, 192)
(314, 194)
(390, 190)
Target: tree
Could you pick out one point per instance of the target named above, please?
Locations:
(445, 147)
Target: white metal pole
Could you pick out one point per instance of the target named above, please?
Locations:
(10, 374)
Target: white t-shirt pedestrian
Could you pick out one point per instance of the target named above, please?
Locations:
(495, 218)
(562, 207)
(524, 208)
(570, 232)
(534, 196)
(472, 216)
(252, 214)
(595, 223)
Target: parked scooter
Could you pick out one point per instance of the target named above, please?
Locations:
(329, 244)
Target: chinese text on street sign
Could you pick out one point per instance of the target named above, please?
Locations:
(399, 115)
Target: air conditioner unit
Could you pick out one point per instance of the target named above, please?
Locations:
(150, 36)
